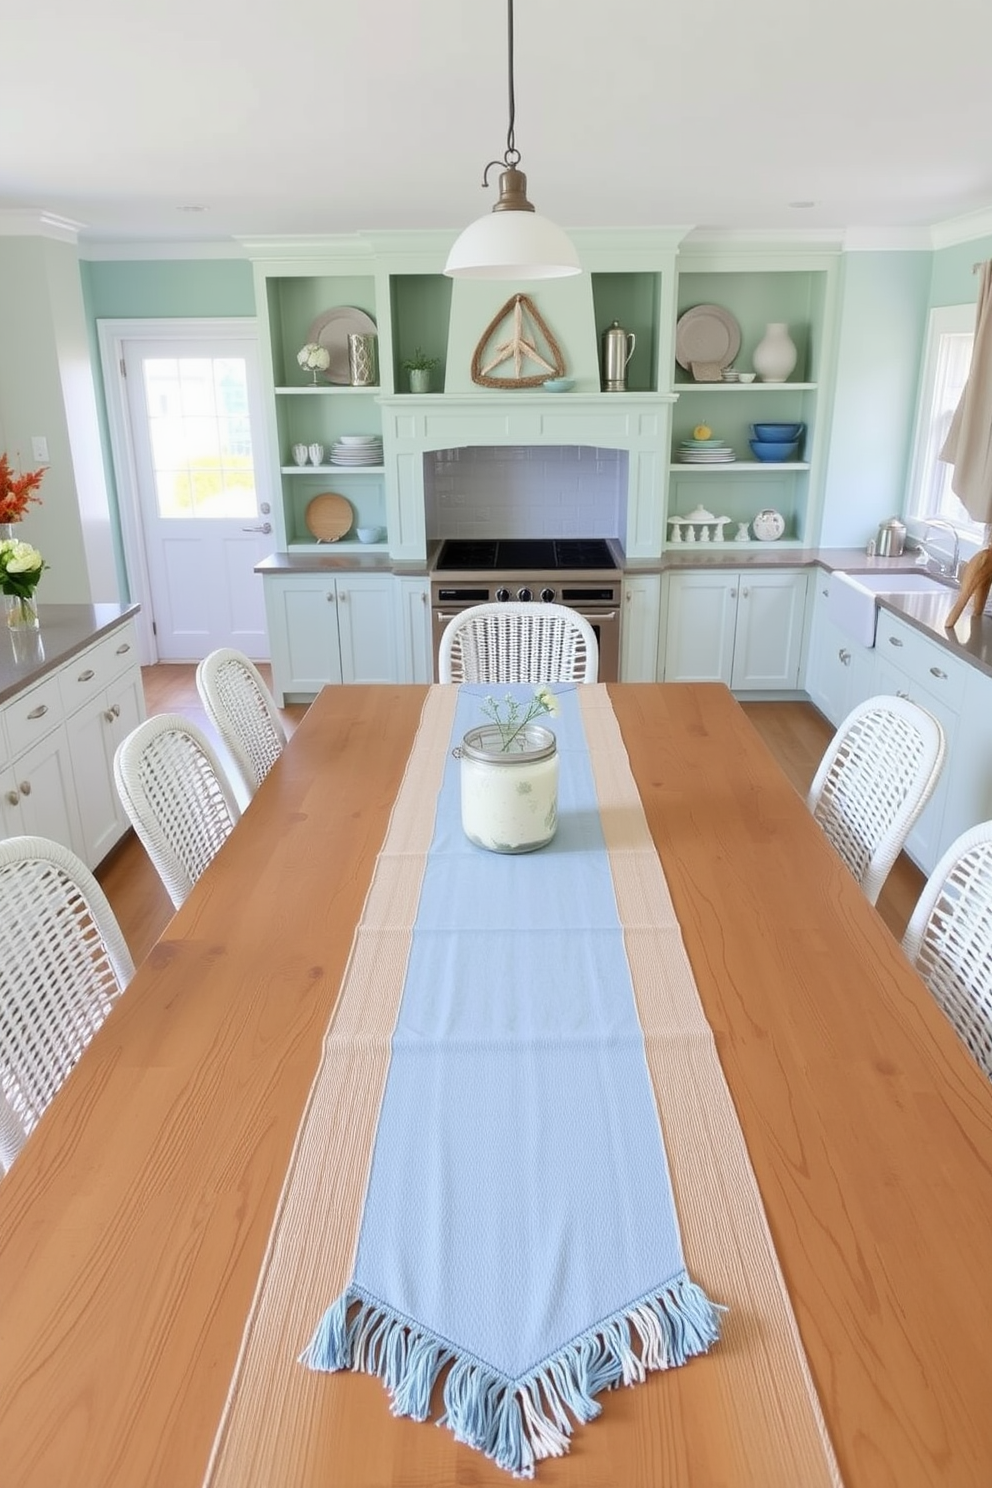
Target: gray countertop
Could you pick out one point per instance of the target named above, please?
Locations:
(970, 639)
(65, 631)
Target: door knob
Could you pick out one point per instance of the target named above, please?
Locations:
(264, 527)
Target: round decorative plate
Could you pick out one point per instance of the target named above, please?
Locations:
(331, 330)
(707, 333)
(768, 525)
(328, 516)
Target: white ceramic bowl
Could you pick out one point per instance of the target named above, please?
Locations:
(370, 534)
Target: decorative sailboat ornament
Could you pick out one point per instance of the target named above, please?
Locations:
(521, 348)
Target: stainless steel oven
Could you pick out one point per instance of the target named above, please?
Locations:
(579, 572)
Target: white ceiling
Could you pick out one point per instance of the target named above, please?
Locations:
(317, 116)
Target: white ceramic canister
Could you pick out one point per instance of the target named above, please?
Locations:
(509, 796)
(775, 354)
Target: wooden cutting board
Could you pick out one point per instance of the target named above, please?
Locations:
(329, 516)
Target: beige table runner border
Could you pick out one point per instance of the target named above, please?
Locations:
(264, 1435)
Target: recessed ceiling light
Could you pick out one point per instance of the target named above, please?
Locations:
(192, 208)
(802, 204)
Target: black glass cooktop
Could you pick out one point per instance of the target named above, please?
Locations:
(505, 554)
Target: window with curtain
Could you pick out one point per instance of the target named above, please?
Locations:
(946, 360)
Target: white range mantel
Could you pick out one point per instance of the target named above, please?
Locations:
(638, 424)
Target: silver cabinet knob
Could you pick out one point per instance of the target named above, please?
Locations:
(12, 798)
(25, 787)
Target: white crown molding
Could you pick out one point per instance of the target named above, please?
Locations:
(758, 240)
(888, 240)
(28, 222)
(122, 249)
(962, 229)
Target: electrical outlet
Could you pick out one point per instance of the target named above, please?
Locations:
(39, 449)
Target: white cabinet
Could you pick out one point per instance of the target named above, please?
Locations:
(37, 795)
(739, 627)
(95, 730)
(840, 673)
(413, 639)
(60, 735)
(911, 665)
(639, 628)
(329, 629)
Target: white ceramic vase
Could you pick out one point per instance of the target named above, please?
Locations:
(775, 354)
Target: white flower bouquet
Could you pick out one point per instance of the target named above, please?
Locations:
(314, 358)
(21, 567)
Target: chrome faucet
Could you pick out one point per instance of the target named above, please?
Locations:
(947, 566)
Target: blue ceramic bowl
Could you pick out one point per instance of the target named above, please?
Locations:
(370, 534)
(777, 433)
(774, 449)
(558, 384)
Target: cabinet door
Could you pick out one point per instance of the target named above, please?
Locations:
(639, 629)
(95, 731)
(969, 780)
(924, 842)
(699, 640)
(366, 628)
(771, 609)
(38, 793)
(413, 624)
(828, 660)
(303, 631)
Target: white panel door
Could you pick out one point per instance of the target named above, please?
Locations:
(193, 408)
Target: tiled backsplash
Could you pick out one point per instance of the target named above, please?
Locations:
(526, 491)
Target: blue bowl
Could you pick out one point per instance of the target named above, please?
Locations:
(558, 384)
(777, 433)
(774, 450)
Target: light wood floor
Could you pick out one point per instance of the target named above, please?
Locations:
(795, 733)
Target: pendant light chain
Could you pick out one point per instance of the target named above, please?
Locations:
(512, 241)
(512, 156)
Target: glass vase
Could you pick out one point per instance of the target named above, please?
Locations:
(22, 612)
(6, 531)
(509, 797)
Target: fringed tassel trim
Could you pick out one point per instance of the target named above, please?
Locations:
(518, 1422)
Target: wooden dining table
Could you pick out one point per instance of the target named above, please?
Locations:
(134, 1224)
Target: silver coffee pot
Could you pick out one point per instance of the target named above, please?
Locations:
(618, 347)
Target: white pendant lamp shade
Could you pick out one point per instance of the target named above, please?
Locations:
(512, 241)
(512, 245)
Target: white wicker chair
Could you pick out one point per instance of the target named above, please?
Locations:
(876, 776)
(949, 938)
(177, 796)
(518, 643)
(243, 711)
(63, 962)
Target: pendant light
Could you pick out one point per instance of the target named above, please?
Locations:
(512, 241)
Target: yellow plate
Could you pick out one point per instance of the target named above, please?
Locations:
(329, 516)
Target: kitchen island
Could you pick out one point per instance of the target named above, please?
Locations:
(69, 693)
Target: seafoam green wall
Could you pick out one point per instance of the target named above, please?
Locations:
(156, 289)
(952, 281)
(884, 302)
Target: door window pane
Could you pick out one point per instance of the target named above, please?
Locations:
(200, 436)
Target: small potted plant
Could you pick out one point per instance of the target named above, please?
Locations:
(420, 366)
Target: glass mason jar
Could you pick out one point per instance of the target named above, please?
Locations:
(509, 796)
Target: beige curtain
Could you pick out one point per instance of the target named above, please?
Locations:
(968, 446)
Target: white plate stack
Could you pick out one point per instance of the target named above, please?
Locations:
(357, 449)
(706, 452)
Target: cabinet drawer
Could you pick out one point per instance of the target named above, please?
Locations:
(927, 662)
(92, 670)
(32, 715)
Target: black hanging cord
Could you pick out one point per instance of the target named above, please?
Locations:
(511, 158)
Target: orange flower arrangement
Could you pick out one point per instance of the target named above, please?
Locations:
(17, 491)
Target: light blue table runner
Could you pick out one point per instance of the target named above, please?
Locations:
(519, 1230)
